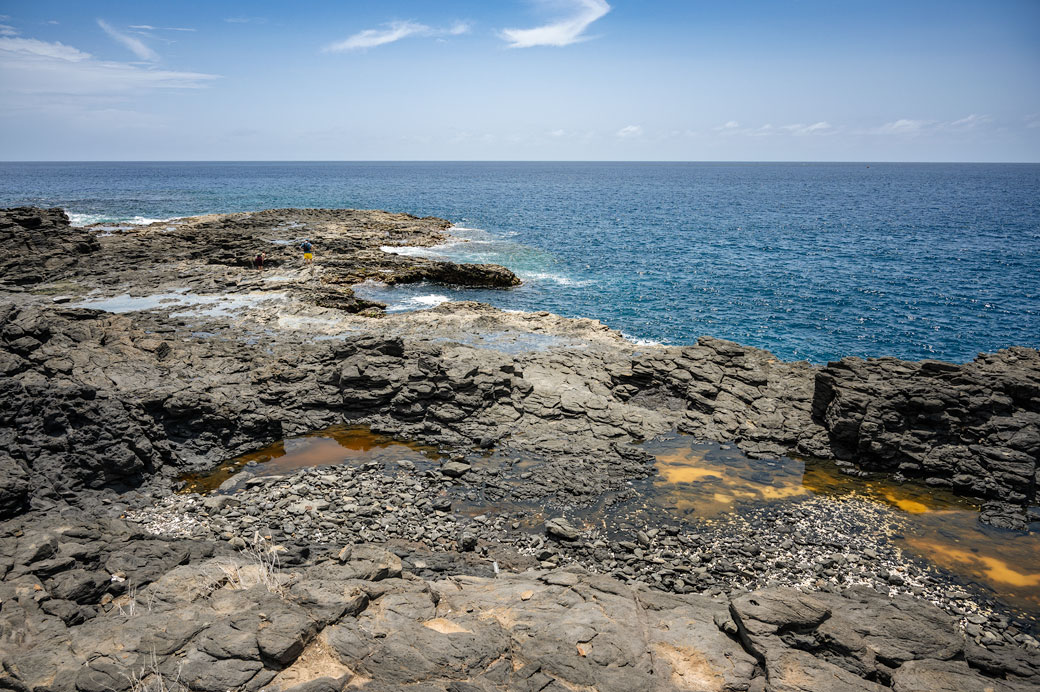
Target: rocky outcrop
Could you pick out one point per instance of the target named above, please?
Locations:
(89, 605)
(728, 392)
(859, 640)
(102, 410)
(157, 400)
(39, 245)
(472, 275)
(974, 428)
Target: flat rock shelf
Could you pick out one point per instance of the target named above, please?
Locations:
(461, 498)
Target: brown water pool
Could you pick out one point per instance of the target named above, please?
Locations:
(339, 444)
(703, 481)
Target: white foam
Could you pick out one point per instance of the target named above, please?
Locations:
(78, 219)
(407, 250)
(555, 278)
(431, 300)
(639, 341)
(85, 219)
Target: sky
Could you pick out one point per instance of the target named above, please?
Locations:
(682, 80)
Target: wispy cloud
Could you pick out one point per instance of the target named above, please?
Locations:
(903, 126)
(6, 30)
(801, 130)
(912, 128)
(459, 28)
(246, 20)
(733, 128)
(629, 131)
(970, 122)
(32, 67)
(146, 27)
(136, 45)
(33, 48)
(394, 31)
(560, 33)
(370, 38)
(1033, 120)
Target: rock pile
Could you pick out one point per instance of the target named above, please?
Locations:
(91, 605)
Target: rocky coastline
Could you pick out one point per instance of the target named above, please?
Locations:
(131, 355)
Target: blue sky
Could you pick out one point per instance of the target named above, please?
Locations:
(521, 80)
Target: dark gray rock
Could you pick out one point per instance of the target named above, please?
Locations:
(561, 529)
(78, 585)
(455, 469)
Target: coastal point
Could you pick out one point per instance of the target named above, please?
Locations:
(255, 479)
(525, 346)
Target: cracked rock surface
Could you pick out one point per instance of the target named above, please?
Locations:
(130, 356)
(97, 605)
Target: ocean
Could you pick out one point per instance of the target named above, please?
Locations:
(812, 261)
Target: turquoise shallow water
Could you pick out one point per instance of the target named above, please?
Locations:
(812, 261)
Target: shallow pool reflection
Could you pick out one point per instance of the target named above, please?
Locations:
(701, 481)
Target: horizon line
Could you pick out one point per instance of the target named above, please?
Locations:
(645, 161)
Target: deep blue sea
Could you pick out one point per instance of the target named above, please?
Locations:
(809, 260)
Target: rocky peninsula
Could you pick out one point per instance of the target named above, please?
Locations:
(130, 356)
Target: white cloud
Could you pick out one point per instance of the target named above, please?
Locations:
(730, 125)
(1033, 120)
(972, 121)
(149, 27)
(561, 33)
(394, 31)
(370, 38)
(30, 66)
(799, 129)
(557, 133)
(629, 131)
(6, 30)
(903, 126)
(908, 127)
(31, 47)
(136, 45)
